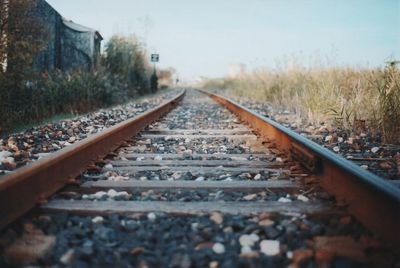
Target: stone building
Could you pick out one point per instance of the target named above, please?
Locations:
(69, 45)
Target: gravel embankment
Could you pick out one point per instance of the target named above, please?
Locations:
(216, 240)
(281, 239)
(362, 147)
(18, 149)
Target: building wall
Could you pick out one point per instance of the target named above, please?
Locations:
(67, 49)
(49, 58)
(77, 49)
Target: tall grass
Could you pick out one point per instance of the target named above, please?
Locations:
(56, 93)
(124, 73)
(342, 96)
(389, 103)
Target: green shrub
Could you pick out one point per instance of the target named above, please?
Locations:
(125, 59)
(124, 74)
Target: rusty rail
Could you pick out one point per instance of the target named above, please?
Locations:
(373, 201)
(22, 190)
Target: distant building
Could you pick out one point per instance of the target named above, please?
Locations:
(69, 45)
(80, 46)
(236, 70)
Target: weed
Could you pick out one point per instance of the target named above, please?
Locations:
(351, 99)
(389, 103)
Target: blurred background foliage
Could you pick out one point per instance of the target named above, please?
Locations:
(27, 96)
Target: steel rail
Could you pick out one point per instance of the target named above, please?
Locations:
(22, 190)
(372, 200)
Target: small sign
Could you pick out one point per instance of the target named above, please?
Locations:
(155, 57)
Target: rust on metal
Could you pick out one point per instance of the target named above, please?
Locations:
(306, 158)
(22, 190)
(373, 201)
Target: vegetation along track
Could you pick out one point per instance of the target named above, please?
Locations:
(197, 188)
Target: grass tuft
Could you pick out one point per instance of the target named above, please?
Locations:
(351, 99)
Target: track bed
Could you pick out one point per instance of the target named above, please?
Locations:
(197, 188)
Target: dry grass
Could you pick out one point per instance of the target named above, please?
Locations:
(342, 96)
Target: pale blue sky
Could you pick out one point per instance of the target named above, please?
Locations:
(204, 37)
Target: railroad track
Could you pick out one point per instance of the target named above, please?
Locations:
(199, 168)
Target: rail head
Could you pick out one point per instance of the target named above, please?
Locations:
(374, 201)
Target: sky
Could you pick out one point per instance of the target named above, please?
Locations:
(207, 38)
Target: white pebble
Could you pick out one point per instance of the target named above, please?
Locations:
(56, 146)
(108, 166)
(218, 248)
(217, 218)
(98, 219)
(158, 158)
(188, 152)
(257, 177)
(336, 149)
(151, 216)
(284, 200)
(303, 198)
(100, 195)
(168, 138)
(9, 161)
(4, 155)
(245, 240)
(340, 139)
(328, 138)
(250, 197)
(199, 179)
(255, 237)
(213, 264)
(68, 257)
(270, 247)
(375, 150)
(195, 226)
(248, 240)
(364, 167)
(112, 193)
(176, 176)
(123, 194)
(246, 249)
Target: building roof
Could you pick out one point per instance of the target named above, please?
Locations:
(80, 28)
